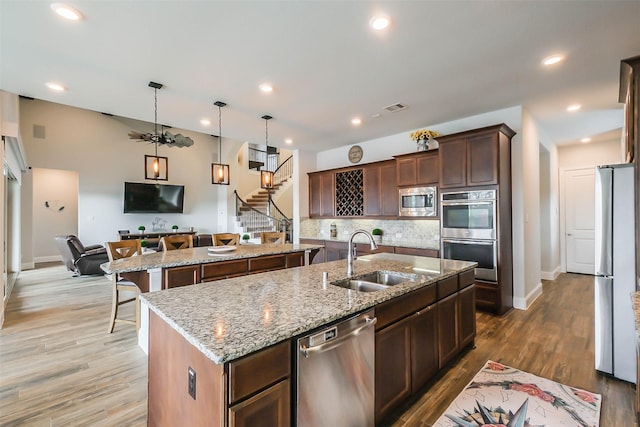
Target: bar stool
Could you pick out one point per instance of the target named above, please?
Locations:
(119, 250)
(226, 239)
(171, 243)
(272, 237)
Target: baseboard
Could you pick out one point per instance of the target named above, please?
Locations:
(27, 266)
(550, 275)
(525, 303)
(50, 258)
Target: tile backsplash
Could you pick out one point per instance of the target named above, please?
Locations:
(423, 233)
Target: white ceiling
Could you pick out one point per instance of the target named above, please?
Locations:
(444, 60)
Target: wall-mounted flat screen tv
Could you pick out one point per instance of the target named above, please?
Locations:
(153, 198)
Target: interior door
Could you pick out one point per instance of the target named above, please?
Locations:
(580, 220)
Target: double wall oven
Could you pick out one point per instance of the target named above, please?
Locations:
(469, 229)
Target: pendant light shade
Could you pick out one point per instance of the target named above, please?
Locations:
(219, 171)
(266, 177)
(156, 167)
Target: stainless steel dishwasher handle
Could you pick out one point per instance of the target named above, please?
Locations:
(321, 348)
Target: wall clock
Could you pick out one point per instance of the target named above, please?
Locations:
(355, 154)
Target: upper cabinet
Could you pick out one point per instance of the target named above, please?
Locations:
(380, 189)
(472, 158)
(321, 194)
(418, 169)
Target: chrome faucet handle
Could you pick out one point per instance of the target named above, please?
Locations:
(354, 251)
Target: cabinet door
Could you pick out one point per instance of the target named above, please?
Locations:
(393, 367)
(315, 194)
(372, 190)
(428, 169)
(181, 276)
(327, 205)
(424, 347)
(453, 166)
(433, 253)
(448, 330)
(406, 172)
(269, 408)
(482, 160)
(389, 189)
(467, 315)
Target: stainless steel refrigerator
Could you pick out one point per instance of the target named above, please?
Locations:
(615, 337)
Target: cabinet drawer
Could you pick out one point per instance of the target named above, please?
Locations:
(447, 287)
(467, 278)
(397, 308)
(433, 253)
(267, 263)
(181, 276)
(258, 371)
(219, 270)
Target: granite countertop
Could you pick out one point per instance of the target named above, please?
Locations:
(199, 255)
(635, 301)
(385, 241)
(230, 318)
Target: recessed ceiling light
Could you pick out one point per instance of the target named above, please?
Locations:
(56, 87)
(288, 141)
(205, 122)
(553, 59)
(266, 87)
(66, 11)
(574, 107)
(379, 22)
(585, 140)
(356, 121)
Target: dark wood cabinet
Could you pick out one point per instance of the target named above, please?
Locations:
(380, 189)
(335, 250)
(469, 160)
(424, 347)
(181, 276)
(449, 335)
(418, 169)
(433, 253)
(321, 194)
(393, 367)
(272, 407)
(224, 269)
(364, 249)
(467, 315)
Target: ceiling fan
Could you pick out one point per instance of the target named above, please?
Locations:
(164, 137)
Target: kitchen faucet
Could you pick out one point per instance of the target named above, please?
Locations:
(351, 250)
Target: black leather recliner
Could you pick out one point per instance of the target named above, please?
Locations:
(81, 259)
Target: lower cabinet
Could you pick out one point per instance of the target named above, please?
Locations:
(269, 408)
(181, 276)
(413, 344)
(335, 250)
(393, 366)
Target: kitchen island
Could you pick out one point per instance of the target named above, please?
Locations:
(221, 352)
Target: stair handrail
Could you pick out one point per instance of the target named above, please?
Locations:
(284, 171)
(283, 223)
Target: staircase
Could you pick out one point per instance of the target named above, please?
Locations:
(258, 213)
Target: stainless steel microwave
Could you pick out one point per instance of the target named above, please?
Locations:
(417, 201)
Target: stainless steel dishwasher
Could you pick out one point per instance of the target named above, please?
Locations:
(336, 370)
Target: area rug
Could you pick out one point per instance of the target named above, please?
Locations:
(506, 397)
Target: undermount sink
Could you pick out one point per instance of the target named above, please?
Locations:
(373, 282)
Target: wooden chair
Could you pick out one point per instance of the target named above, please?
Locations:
(272, 237)
(226, 239)
(119, 250)
(170, 243)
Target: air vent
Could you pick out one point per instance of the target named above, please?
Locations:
(395, 107)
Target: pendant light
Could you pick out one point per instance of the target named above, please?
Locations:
(156, 167)
(266, 177)
(219, 171)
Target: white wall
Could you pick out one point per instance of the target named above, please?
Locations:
(98, 148)
(587, 155)
(58, 189)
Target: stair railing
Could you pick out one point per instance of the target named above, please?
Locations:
(284, 171)
(252, 218)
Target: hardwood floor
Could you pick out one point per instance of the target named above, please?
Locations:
(60, 367)
(553, 339)
(58, 364)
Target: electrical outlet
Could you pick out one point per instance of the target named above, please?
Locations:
(192, 382)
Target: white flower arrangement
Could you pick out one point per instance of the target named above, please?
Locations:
(423, 134)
